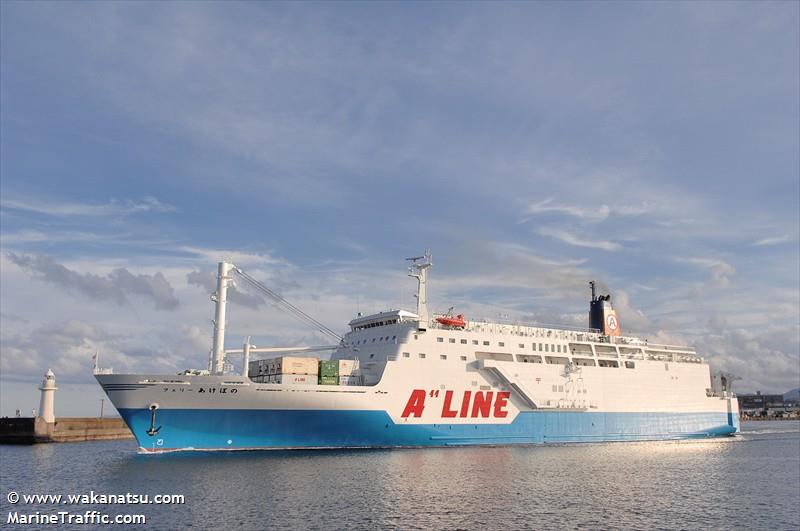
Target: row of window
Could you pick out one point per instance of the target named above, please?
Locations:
(364, 341)
(373, 325)
(543, 347)
(551, 360)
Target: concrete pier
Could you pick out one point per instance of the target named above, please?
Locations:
(28, 430)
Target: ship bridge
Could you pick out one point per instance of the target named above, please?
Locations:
(382, 319)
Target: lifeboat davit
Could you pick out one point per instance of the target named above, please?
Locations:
(453, 321)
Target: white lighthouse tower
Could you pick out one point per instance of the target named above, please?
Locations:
(47, 403)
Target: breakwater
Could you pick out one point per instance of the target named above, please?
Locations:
(28, 430)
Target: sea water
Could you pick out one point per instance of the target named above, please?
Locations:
(751, 481)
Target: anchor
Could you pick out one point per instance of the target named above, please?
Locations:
(152, 431)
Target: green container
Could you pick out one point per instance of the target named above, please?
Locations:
(328, 368)
(329, 380)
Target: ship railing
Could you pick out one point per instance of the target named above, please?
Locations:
(544, 331)
(660, 346)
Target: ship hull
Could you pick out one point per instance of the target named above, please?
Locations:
(423, 403)
(219, 429)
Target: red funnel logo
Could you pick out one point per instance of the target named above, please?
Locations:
(612, 324)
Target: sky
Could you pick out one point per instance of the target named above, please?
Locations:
(653, 147)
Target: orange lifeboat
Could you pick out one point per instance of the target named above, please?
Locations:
(449, 319)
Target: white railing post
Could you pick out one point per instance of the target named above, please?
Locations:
(246, 357)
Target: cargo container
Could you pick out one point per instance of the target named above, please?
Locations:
(349, 380)
(295, 365)
(329, 380)
(347, 367)
(255, 369)
(283, 365)
(306, 379)
(329, 368)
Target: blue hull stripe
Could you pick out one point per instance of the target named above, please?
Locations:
(247, 429)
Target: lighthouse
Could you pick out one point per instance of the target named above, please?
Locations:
(46, 405)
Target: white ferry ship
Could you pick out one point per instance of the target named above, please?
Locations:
(420, 380)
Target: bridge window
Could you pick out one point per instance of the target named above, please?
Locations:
(606, 350)
(406, 354)
(474, 341)
(463, 341)
(522, 358)
(442, 356)
(501, 344)
(440, 340)
(583, 350)
(583, 362)
(422, 355)
(607, 363)
(521, 345)
(463, 358)
(452, 340)
(630, 365)
(556, 360)
(486, 343)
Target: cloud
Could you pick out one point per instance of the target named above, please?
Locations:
(208, 281)
(36, 236)
(116, 286)
(26, 356)
(766, 359)
(591, 215)
(721, 271)
(31, 354)
(772, 240)
(571, 239)
(114, 207)
(239, 258)
(595, 214)
(12, 317)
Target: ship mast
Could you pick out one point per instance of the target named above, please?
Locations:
(419, 270)
(220, 297)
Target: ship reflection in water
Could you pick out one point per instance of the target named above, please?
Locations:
(749, 481)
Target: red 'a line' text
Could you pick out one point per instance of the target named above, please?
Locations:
(480, 405)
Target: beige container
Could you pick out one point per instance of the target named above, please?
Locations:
(347, 367)
(294, 365)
